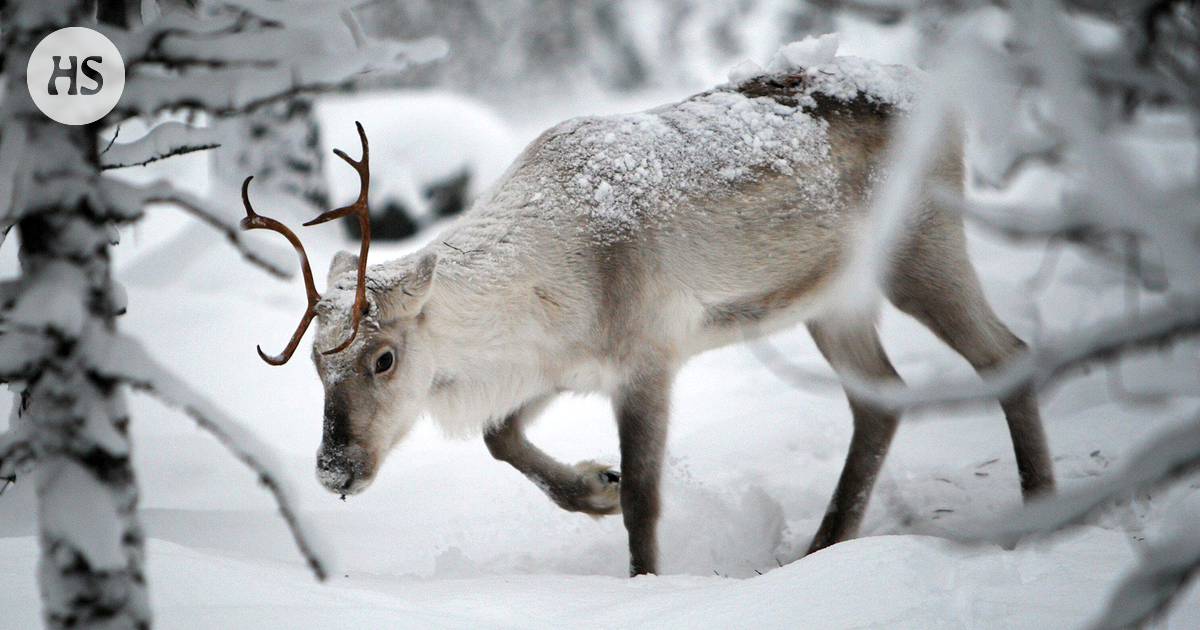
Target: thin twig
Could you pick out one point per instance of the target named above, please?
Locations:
(181, 150)
(112, 140)
(460, 250)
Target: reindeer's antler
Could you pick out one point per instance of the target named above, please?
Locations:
(254, 221)
(360, 209)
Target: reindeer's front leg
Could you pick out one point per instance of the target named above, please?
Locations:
(642, 416)
(588, 486)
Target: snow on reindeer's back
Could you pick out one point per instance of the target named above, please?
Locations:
(628, 172)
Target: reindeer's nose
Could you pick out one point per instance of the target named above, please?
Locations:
(343, 469)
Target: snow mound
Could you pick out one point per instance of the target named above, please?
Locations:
(846, 78)
(878, 582)
(745, 71)
(798, 56)
(806, 53)
(814, 63)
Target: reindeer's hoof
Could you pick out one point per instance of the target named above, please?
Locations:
(601, 494)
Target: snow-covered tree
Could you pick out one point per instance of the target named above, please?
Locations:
(517, 49)
(279, 144)
(60, 347)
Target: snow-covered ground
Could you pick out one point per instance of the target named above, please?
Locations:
(447, 537)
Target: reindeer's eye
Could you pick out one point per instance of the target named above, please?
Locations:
(384, 363)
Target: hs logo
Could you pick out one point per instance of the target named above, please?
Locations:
(75, 76)
(68, 72)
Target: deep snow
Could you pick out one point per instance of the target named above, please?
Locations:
(447, 537)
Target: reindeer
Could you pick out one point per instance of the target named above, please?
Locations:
(614, 249)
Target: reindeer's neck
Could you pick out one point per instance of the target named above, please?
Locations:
(495, 331)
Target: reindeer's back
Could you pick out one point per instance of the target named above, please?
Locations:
(742, 193)
(624, 175)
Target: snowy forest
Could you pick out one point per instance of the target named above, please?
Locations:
(155, 470)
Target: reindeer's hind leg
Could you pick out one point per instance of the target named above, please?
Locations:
(587, 487)
(855, 349)
(936, 284)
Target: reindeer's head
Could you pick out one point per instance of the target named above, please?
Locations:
(369, 341)
(377, 385)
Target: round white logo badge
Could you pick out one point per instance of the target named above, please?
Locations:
(75, 75)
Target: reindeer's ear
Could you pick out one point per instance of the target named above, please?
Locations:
(412, 289)
(342, 262)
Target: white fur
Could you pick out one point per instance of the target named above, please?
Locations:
(706, 202)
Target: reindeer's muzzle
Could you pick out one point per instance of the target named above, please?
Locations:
(344, 469)
(343, 466)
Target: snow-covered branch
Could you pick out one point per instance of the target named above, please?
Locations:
(53, 301)
(296, 13)
(1147, 592)
(236, 90)
(112, 200)
(125, 360)
(1165, 568)
(15, 451)
(20, 351)
(1020, 221)
(1168, 457)
(8, 291)
(265, 53)
(164, 141)
(271, 258)
(12, 146)
(1044, 223)
(271, 263)
(1041, 366)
